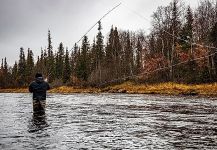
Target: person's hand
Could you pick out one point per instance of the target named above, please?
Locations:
(45, 79)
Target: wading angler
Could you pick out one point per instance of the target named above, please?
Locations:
(39, 89)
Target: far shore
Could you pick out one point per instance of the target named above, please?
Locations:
(133, 88)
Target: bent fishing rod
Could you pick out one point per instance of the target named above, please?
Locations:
(98, 21)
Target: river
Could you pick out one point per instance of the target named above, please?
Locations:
(109, 121)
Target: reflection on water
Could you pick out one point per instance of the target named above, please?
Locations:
(38, 122)
(109, 121)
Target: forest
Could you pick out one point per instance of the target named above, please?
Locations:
(181, 48)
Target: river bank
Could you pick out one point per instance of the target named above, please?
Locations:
(133, 88)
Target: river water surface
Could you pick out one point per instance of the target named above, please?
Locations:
(109, 121)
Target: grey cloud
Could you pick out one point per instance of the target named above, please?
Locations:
(25, 22)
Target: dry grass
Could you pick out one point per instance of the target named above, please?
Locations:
(12, 90)
(70, 89)
(165, 88)
(130, 87)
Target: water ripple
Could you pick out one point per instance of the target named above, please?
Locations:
(108, 121)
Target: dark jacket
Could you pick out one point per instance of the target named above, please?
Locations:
(39, 89)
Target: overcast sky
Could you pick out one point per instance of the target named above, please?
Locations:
(25, 23)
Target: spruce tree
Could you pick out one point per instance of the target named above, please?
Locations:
(50, 60)
(66, 68)
(1, 74)
(14, 74)
(110, 55)
(187, 31)
(117, 53)
(109, 48)
(5, 66)
(22, 68)
(5, 74)
(83, 69)
(60, 61)
(128, 56)
(73, 59)
(99, 51)
(93, 55)
(29, 65)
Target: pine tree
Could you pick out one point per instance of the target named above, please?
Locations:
(50, 60)
(93, 56)
(187, 31)
(60, 61)
(83, 69)
(113, 55)
(5, 66)
(77, 63)
(15, 74)
(5, 74)
(44, 64)
(129, 64)
(22, 68)
(2, 65)
(99, 51)
(117, 53)
(73, 60)
(66, 68)
(29, 65)
(109, 49)
(50, 47)
(1, 74)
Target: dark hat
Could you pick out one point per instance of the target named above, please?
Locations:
(38, 75)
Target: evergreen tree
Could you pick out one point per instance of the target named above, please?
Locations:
(5, 66)
(83, 69)
(187, 31)
(1, 74)
(77, 63)
(14, 74)
(29, 65)
(109, 49)
(50, 47)
(60, 61)
(73, 60)
(50, 60)
(113, 55)
(22, 68)
(66, 68)
(99, 51)
(2, 65)
(128, 56)
(93, 55)
(117, 53)
(5, 74)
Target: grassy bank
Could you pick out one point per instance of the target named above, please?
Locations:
(165, 88)
(129, 87)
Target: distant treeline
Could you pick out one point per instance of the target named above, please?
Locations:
(179, 48)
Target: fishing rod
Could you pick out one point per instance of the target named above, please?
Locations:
(98, 22)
